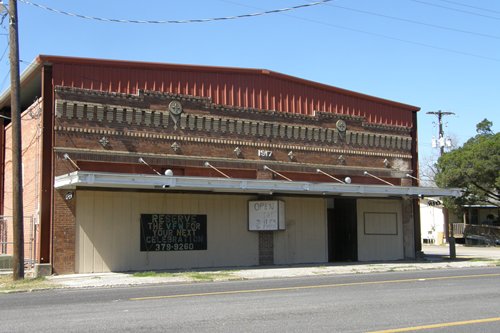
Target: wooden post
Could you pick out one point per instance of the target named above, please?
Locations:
(17, 180)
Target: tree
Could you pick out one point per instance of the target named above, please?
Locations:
(474, 167)
(484, 127)
(427, 164)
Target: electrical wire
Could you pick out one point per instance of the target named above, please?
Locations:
(286, 10)
(400, 39)
(3, 17)
(5, 78)
(455, 9)
(33, 140)
(430, 46)
(474, 7)
(415, 22)
(8, 72)
(4, 51)
(102, 19)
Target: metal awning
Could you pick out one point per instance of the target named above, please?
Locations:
(85, 179)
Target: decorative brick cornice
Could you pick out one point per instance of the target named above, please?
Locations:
(321, 115)
(388, 128)
(194, 139)
(206, 102)
(209, 123)
(100, 93)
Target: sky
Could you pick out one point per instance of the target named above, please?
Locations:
(434, 54)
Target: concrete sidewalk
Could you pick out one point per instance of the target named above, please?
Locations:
(436, 257)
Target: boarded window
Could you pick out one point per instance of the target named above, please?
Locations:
(380, 223)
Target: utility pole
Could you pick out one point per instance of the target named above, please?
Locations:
(441, 142)
(15, 107)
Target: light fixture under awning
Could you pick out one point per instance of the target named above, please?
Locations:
(82, 179)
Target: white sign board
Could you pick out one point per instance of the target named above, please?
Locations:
(266, 215)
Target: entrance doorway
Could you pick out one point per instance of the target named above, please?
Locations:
(342, 230)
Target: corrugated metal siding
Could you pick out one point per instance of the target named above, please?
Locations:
(246, 90)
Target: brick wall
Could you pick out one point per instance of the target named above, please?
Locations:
(30, 140)
(63, 242)
(266, 248)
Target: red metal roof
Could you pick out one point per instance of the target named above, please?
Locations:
(239, 87)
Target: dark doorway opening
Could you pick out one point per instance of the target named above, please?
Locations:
(342, 230)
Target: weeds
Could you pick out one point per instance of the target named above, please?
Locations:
(27, 284)
(199, 276)
(153, 274)
(193, 276)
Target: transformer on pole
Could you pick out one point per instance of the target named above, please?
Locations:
(441, 142)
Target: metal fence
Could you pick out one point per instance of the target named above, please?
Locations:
(458, 230)
(30, 236)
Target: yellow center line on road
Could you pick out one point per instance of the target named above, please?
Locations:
(248, 291)
(442, 325)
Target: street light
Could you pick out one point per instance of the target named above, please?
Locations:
(15, 107)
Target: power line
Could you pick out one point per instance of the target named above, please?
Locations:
(2, 84)
(337, 26)
(416, 22)
(4, 51)
(5, 78)
(397, 39)
(455, 9)
(474, 7)
(273, 11)
(3, 17)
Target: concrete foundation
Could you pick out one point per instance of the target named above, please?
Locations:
(43, 270)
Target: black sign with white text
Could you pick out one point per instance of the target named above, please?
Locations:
(173, 232)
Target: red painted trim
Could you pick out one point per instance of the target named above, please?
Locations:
(215, 69)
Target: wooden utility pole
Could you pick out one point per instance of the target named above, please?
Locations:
(17, 179)
(441, 143)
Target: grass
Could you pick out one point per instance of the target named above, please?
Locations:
(204, 276)
(193, 276)
(153, 274)
(494, 262)
(27, 284)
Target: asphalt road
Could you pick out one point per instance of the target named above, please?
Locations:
(466, 300)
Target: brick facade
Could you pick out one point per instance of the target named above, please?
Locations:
(64, 232)
(31, 131)
(108, 130)
(142, 125)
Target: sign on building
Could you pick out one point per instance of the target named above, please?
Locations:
(173, 232)
(266, 215)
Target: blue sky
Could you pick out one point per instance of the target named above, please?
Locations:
(392, 49)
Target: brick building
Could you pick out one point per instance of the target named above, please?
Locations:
(134, 166)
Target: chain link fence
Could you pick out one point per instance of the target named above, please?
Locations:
(7, 242)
